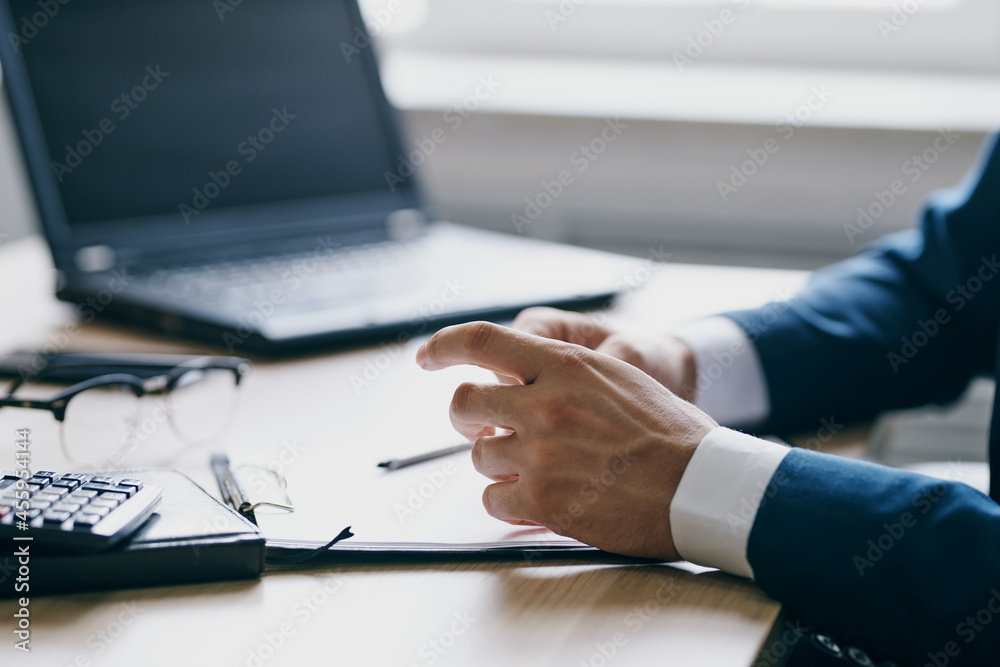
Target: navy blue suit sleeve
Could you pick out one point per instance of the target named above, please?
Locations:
(904, 565)
(908, 321)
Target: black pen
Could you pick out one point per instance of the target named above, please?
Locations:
(395, 464)
(232, 493)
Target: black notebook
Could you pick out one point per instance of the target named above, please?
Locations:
(192, 537)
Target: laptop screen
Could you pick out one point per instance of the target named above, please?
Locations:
(183, 108)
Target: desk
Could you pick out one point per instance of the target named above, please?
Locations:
(459, 614)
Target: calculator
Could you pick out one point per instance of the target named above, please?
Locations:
(73, 512)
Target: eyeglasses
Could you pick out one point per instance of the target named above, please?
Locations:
(106, 418)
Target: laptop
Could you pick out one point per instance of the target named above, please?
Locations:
(233, 172)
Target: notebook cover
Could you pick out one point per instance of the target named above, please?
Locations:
(192, 537)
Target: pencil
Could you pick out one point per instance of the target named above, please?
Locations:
(395, 464)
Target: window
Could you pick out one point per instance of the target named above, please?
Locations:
(928, 35)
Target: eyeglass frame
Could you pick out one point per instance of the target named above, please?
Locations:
(162, 383)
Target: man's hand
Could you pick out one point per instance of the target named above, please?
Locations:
(596, 448)
(669, 360)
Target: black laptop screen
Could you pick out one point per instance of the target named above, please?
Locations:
(190, 106)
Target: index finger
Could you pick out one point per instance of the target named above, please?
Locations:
(486, 345)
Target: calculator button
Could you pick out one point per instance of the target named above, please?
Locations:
(66, 483)
(83, 494)
(45, 473)
(57, 491)
(34, 488)
(120, 497)
(99, 479)
(104, 502)
(74, 476)
(34, 514)
(40, 481)
(66, 506)
(97, 511)
(134, 483)
(40, 504)
(52, 517)
(127, 490)
(85, 522)
(47, 497)
(99, 486)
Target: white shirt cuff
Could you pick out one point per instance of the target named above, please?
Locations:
(717, 499)
(731, 386)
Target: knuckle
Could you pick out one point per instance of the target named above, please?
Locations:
(535, 495)
(529, 316)
(552, 413)
(573, 358)
(477, 335)
(546, 457)
(487, 496)
(619, 347)
(589, 326)
(477, 454)
(463, 398)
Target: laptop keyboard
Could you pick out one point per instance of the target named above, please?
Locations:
(319, 276)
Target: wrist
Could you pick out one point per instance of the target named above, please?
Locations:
(687, 385)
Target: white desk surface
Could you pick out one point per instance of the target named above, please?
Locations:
(455, 614)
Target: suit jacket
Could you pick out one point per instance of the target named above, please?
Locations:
(898, 563)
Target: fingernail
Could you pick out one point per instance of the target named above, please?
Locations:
(422, 357)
